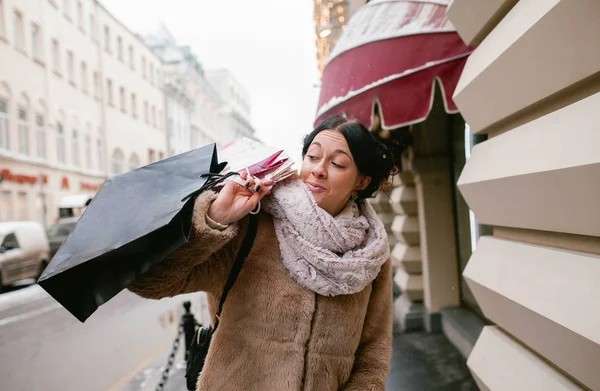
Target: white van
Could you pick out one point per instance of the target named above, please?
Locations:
(73, 205)
(24, 251)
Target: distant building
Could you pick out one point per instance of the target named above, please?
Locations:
(182, 70)
(235, 109)
(82, 98)
(133, 101)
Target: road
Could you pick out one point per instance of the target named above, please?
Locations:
(43, 347)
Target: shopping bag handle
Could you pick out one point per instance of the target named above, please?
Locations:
(211, 181)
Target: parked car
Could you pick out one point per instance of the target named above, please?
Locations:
(59, 232)
(24, 251)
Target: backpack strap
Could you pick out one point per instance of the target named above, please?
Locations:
(238, 263)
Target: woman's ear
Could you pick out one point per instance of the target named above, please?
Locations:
(363, 182)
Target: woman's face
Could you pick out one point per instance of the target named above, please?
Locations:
(330, 172)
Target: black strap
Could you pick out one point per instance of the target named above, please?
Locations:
(239, 262)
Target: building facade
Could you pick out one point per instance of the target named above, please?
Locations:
(531, 89)
(53, 142)
(234, 112)
(133, 102)
(80, 100)
(83, 98)
(180, 67)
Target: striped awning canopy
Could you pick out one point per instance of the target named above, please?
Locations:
(391, 54)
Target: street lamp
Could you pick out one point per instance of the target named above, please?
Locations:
(326, 31)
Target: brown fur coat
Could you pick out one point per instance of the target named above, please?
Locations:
(275, 334)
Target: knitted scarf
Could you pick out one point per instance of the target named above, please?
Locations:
(329, 255)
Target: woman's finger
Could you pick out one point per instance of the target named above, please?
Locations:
(258, 186)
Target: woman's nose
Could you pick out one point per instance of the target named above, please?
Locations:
(319, 171)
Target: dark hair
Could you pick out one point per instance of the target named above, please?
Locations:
(372, 157)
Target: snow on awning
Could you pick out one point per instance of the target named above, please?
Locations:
(391, 54)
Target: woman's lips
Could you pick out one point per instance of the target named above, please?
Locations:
(314, 187)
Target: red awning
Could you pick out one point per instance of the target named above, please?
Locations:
(391, 54)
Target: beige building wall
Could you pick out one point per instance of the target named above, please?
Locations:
(533, 86)
(51, 137)
(133, 98)
(58, 129)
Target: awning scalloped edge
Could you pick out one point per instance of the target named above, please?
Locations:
(335, 101)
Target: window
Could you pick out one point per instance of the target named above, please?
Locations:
(109, 92)
(122, 99)
(120, 48)
(133, 106)
(56, 56)
(60, 143)
(80, 15)
(131, 58)
(84, 81)
(100, 152)
(107, 39)
(151, 156)
(60, 230)
(160, 119)
(21, 208)
(19, 32)
(6, 207)
(66, 5)
(88, 151)
(75, 147)
(71, 67)
(144, 67)
(40, 136)
(23, 131)
(134, 162)
(4, 140)
(117, 162)
(146, 111)
(93, 28)
(153, 116)
(10, 241)
(96, 85)
(151, 73)
(161, 155)
(36, 41)
(2, 23)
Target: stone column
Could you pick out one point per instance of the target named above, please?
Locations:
(406, 254)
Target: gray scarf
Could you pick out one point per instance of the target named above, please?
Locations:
(329, 255)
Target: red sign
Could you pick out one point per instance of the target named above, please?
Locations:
(9, 176)
(89, 186)
(64, 184)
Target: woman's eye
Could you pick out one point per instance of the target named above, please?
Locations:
(311, 157)
(337, 165)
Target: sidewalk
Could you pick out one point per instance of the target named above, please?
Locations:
(427, 362)
(420, 362)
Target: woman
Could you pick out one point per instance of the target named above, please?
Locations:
(312, 306)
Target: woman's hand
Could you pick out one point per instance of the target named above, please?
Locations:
(236, 201)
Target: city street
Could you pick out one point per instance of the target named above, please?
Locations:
(43, 347)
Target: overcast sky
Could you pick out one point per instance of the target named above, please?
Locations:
(269, 45)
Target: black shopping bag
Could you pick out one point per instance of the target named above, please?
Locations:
(135, 221)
